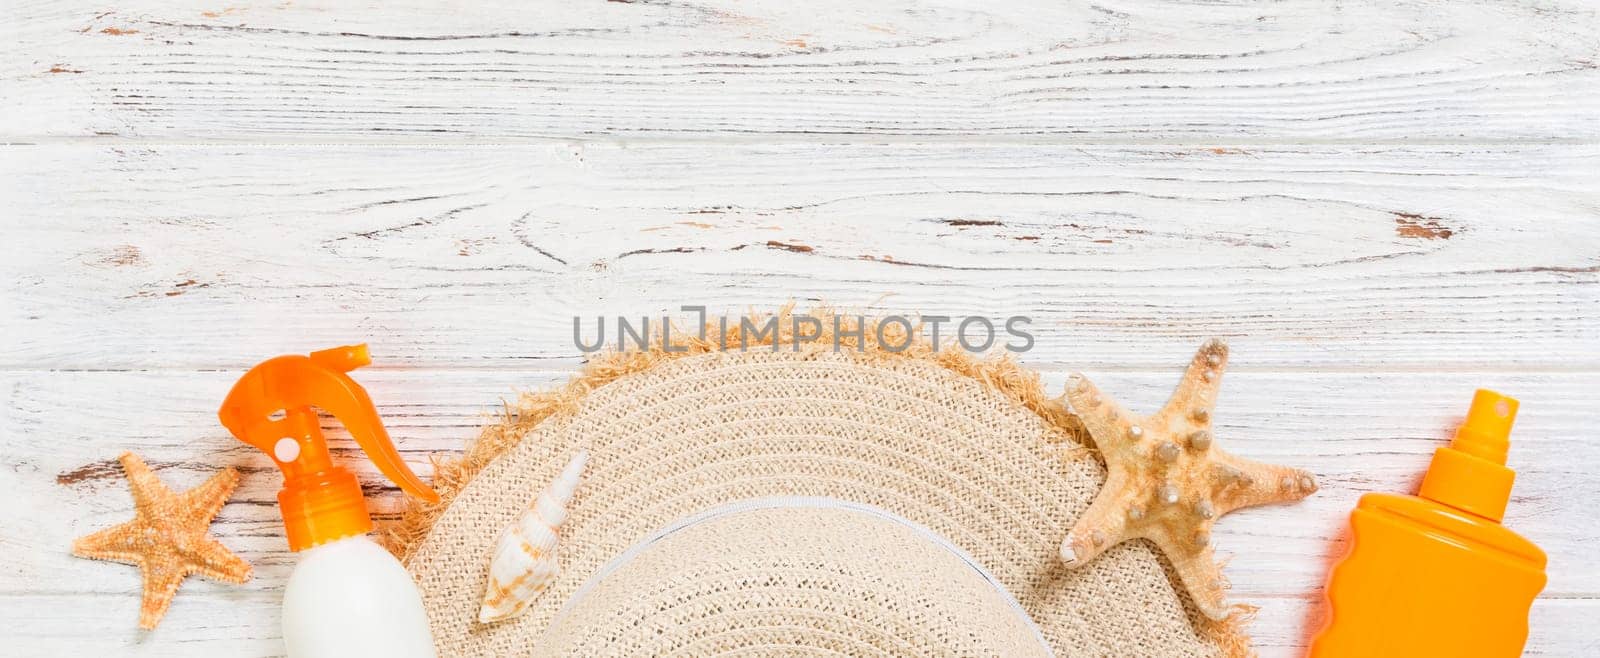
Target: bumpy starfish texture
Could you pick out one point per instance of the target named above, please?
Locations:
(1168, 482)
(167, 538)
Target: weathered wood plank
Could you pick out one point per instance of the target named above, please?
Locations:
(1337, 258)
(1122, 71)
(1357, 432)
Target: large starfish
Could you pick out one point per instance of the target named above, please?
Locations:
(1168, 482)
(167, 538)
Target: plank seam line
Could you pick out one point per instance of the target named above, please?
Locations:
(814, 139)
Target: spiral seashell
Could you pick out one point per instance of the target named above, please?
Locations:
(524, 562)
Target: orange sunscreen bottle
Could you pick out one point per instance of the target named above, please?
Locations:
(347, 596)
(1436, 574)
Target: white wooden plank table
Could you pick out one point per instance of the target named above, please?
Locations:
(1381, 205)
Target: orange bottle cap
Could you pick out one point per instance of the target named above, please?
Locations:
(271, 408)
(1471, 474)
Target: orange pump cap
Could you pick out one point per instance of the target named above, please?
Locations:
(1470, 474)
(270, 407)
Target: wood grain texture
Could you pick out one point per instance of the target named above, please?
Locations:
(1108, 70)
(1341, 258)
(1381, 205)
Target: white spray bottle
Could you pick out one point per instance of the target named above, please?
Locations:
(348, 596)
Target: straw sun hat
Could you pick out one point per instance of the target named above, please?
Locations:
(798, 501)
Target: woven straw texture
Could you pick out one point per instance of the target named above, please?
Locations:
(793, 580)
(900, 434)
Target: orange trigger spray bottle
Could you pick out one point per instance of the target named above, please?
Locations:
(348, 596)
(1436, 574)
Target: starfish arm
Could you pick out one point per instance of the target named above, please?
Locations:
(1199, 573)
(117, 544)
(213, 560)
(160, 585)
(1240, 482)
(1101, 415)
(1103, 525)
(1197, 391)
(202, 503)
(149, 495)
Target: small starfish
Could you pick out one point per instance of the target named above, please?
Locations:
(1167, 482)
(167, 538)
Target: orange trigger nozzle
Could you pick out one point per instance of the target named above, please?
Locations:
(273, 407)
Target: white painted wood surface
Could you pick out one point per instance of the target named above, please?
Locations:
(1382, 205)
(1109, 70)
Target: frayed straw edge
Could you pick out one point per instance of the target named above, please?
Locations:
(1000, 374)
(1228, 632)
